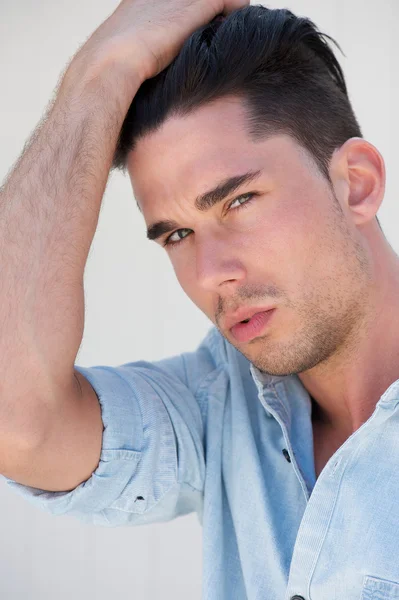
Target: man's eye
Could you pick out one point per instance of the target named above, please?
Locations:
(239, 198)
(168, 242)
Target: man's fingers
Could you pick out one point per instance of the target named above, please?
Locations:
(231, 5)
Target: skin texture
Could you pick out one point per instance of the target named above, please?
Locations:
(316, 254)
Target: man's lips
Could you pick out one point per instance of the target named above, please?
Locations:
(246, 312)
(252, 328)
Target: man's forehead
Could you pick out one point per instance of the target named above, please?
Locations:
(217, 124)
(189, 154)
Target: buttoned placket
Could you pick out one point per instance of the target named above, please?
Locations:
(317, 516)
(321, 500)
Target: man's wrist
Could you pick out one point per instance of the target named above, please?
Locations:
(101, 69)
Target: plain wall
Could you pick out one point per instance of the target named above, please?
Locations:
(135, 308)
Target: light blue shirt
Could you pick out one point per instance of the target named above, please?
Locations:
(207, 432)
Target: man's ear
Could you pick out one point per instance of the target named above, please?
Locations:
(360, 165)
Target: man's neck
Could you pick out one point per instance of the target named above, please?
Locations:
(346, 389)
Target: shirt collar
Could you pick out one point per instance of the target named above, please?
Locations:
(389, 399)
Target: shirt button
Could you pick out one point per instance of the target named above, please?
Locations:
(297, 597)
(287, 456)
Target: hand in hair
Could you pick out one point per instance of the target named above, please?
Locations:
(153, 29)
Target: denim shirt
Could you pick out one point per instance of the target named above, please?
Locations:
(207, 432)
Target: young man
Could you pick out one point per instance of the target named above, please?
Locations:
(281, 430)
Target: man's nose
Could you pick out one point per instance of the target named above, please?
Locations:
(217, 261)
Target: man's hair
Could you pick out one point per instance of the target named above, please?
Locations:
(279, 64)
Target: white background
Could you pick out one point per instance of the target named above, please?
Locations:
(135, 309)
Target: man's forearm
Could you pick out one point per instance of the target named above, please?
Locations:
(49, 209)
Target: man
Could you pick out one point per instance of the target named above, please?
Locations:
(249, 167)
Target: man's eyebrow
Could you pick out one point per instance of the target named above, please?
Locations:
(205, 202)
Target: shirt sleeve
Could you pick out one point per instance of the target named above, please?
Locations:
(152, 462)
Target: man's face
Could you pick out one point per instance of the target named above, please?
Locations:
(288, 245)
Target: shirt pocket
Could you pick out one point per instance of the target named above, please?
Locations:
(379, 589)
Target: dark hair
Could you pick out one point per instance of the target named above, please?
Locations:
(278, 63)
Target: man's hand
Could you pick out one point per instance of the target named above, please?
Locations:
(156, 29)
